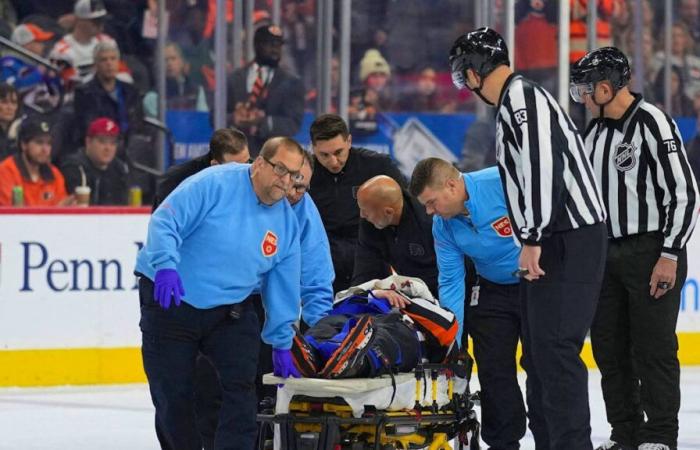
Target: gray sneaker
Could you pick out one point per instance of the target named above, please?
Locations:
(652, 446)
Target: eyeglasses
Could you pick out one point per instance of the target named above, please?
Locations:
(280, 170)
(577, 91)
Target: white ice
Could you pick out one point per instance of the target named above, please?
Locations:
(121, 417)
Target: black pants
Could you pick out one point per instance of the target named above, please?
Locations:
(635, 346)
(557, 311)
(172, 340)
(495, 327)
(208, 390)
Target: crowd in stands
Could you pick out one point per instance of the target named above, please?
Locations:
(86, 61)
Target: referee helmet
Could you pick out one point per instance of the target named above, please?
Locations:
(603, 64)
(481, 50)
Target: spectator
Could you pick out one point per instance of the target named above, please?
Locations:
(375, 74)
(196, 49)
(106, 96)
(31, 169)
(265, 100)
(181, 92)
(9, 123)
(32, 38)
(78, 48)
(97, 165)
(607, 9)
(690, 15)
(681, 105)
(683, 57)
(299, 30)
(424, 96)
(648, 61)
(537, 62)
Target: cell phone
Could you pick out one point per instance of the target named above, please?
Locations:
(521, 273)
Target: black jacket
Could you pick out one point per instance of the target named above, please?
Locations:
(284, 105)
(407, 247)
(93, 101)
(107, 187)
(177, 174)
(335, 197)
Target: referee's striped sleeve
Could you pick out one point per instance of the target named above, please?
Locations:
(680, 190)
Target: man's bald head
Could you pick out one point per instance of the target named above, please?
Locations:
(380, 200)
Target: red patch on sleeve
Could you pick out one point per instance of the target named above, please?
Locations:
(269, 244)
(502, 227)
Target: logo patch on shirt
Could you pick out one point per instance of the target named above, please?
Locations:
(502, 227)
(415, 249)
(624, 157)
(269, 244)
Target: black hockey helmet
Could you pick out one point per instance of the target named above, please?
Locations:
(606, 63)
(481, 50)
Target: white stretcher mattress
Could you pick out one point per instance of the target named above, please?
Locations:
(358, 392)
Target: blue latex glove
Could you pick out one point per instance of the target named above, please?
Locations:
(284, 364)
(168, 285)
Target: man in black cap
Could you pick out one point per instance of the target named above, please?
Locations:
(264, 100)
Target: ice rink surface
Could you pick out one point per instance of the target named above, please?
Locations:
(121, 417)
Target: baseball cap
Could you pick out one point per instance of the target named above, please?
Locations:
(269, 33)
(89, 9)
(28, 32)
(33, 128)
(103, 126)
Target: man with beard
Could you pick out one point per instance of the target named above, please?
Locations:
(31, 169)
(264, 100)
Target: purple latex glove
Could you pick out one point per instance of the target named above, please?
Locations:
(168, 285)
(284, 364)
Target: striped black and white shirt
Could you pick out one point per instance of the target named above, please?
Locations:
(547, 179)
(642, 167)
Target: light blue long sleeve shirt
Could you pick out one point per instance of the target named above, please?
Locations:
(485, 235)
(224, 243)
(317, 272)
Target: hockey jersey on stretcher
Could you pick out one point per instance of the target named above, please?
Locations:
(363, 336)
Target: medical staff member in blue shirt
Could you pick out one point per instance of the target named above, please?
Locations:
(471, 219)
(222, 233)
(316, 266)
(317, 273)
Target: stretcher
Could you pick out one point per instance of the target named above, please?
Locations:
(430, 408)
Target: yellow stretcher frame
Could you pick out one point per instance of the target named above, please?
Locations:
(328, 424)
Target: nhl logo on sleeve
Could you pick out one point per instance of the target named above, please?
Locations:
(502, 227)
(269, 244)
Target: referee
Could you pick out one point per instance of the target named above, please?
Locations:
(652, 201)
(558, 217)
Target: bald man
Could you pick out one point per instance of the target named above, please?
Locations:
(394, 231)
